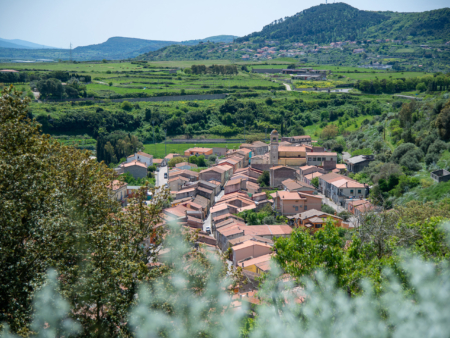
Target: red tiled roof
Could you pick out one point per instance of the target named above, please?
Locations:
(134, 163)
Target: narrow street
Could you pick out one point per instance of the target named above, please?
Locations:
(327, 201)
(207, 222)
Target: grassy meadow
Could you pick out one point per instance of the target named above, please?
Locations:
(158, 149)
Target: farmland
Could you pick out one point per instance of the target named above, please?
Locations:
(158, 149)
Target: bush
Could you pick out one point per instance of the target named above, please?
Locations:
(126, 106)
(329, 210)
(264, 179)
(421, 87)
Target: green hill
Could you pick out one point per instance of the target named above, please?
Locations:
(340, 22)
(114, 48)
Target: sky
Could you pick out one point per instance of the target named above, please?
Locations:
(58, 23)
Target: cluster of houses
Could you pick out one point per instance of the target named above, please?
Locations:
(210, 201)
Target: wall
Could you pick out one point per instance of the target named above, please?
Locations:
(263, 167)
(212, 175)
(136, 171)
(251, 251)
(279, 175)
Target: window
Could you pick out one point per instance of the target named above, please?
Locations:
(314, 158)
(359, 191)
(317, 226)
(296, 208)
(306, 207)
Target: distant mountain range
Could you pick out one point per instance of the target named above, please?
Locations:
(340, 22)
(21, 44)
(114, 48)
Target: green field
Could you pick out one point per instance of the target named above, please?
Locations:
(157, 150)
(384, 75)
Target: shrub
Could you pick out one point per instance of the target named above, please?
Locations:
(329, 210)
(126, 106)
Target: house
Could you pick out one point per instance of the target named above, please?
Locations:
(441, 175)
(214, 173)
(324, 159)
(227, 231)
(309, 169)
(197, 151)
(356, 164)
(249, 249)
(303, 139)
(186, 165)
(192, 176)
(183, 194)
(142, 157)
(232, 162)
(136, 168)
(257, 147)
(314, 220)
(158, 162)
(358, 50)
(308, 178)
(257, 265)
(292, 156)
(117, 190)
(290, 203)
(295, 185)
(281, 173)
(339, 188)
(359, 207)
(176, 183)
(234, 186)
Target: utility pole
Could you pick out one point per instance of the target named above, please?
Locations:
(165, 142)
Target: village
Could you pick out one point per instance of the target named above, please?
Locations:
(306, 188)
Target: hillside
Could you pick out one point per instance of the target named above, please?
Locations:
(21, 44)
(340, 22)
(114, 48)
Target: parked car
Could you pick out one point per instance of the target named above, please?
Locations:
(208, 230)
(165, 175)
(157, 169)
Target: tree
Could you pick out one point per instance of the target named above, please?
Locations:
(50, 87)
(443, 122)
(201, 161)
(315, 182)
(175, 160)
(193, 159)
(75, 227)
(330, 131)
(264, 179)
(421, 87)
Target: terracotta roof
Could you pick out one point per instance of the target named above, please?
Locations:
(291, 184)
(171, 156)
(231, 182)
(134, 163)
(286, 195)
(358, 202)
(347, 183)
(199, 149)
(300, 137)
(311, 176)
(281, 166)
(259, 144)
(264, 266)
(321, 154)
(292, 149)
(116, 184)
(208, 191)
(331, 177)
(249, 244)
(242, 239)
(178, 178)
(341, 166)
(253, 261)
(157, 160)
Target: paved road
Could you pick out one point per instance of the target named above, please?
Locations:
(346, 156)
(207, 222)
(288, 87)
(338, 208)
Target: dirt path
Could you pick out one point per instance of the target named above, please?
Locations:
(288, 87)
(37, 95)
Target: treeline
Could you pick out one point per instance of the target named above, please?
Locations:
(390, 86)
(213, 69)
(89, 122)
(15, 77)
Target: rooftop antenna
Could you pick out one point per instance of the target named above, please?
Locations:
(71, 52)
